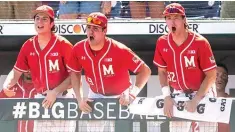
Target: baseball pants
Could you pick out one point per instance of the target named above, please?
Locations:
(100, 125)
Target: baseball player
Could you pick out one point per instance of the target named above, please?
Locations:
(106, 64)
(185, 63)
(45, 56)
(221, 82)
(22, 89)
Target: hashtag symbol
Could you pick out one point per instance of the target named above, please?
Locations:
(19, 110)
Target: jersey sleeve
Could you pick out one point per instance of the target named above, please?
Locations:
(74, 62)
(206, 57)
(22, 61)
(132, 61)
(158, 58)
(66, 50)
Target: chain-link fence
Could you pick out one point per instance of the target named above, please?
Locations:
(149, 126)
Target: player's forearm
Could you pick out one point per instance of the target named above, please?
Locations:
(162, 74)
(76, 80)
(141, 79)
(206, 85)
(12, 78)
(143, 76)
(63, 86)
(163, 78)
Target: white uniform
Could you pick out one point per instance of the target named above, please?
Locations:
(100, 125)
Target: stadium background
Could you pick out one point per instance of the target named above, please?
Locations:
(143, 44)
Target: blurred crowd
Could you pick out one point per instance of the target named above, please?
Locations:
(116, 9)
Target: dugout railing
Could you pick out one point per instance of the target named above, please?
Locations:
(123, 123)
(135, 34)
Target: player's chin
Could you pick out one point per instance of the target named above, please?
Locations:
(40, 31)
(219, 87)
(43, 30)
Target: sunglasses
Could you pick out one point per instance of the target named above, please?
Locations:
(94, 20)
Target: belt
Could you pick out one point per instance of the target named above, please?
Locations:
(187, 91)
(63, 94)
(107, 94)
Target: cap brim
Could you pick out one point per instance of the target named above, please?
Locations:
(35, 12)
(91, 24)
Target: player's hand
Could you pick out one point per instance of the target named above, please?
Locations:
(125, 100)
(49, 99)
(191, 105)
(84, 106)
(168, 106)
(8, 92)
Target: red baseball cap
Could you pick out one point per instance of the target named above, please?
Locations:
(97, 19)
(45, 9)
(174, 8)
